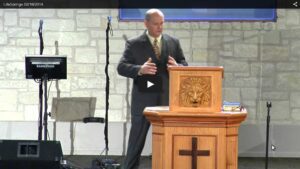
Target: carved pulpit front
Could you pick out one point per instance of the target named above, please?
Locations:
(196, 89)
(193, 132)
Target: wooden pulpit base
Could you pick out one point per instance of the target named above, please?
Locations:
(194, 140)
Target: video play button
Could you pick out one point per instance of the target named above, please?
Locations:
(149, 83)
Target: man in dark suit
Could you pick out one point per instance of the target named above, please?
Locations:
(149, 54)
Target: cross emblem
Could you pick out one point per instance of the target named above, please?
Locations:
(194, 152)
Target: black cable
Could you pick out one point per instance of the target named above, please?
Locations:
(40, 31)
(45, 77)
(40, 124)
(108, 30)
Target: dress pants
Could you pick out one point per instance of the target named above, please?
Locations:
(137, 137)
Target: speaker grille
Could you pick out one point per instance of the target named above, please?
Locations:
(30, 154)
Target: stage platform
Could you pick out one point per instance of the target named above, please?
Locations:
(84, 161)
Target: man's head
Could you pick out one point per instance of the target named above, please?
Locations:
(154, 20)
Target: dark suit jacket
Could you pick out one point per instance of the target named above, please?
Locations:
(136, 53)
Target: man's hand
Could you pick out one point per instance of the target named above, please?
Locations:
(171, 62)
(148, 68)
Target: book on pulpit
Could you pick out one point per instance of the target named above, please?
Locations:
(231, 106)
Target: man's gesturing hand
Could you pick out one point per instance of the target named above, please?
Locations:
(171, 62)
(148, 68)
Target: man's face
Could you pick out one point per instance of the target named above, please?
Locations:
(155, 25)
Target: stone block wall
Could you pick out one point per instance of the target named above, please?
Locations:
(261, 59)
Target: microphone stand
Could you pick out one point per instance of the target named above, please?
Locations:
(106, 163)
(108, 29)
(40, 127)
(269, 105)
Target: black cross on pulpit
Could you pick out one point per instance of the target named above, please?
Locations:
(194, 152)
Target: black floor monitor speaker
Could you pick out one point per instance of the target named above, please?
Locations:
(30, 154)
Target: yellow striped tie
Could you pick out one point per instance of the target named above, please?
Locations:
(156, 48)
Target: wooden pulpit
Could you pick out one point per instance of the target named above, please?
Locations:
(193, 132)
